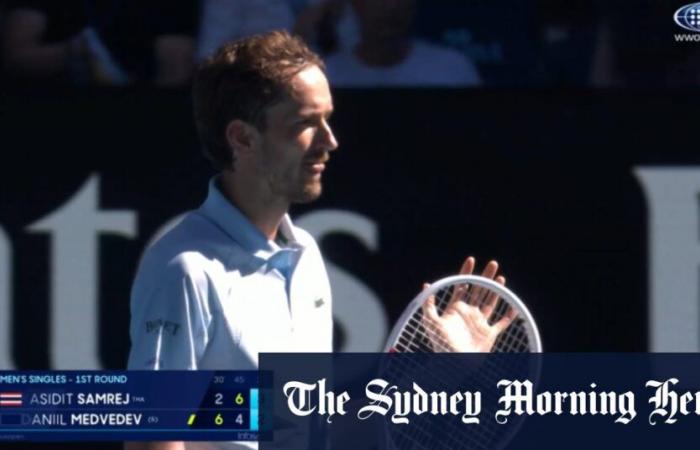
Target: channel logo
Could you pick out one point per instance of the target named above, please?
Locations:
(688, 17)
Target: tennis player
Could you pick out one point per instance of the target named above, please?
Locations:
(236, 277)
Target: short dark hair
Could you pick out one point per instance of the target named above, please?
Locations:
(240, 81)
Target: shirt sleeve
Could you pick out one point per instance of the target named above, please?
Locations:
(169, 320)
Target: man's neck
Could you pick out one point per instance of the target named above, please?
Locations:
(264, 211)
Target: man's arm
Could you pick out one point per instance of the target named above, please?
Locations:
(169, 317)
(167, 328)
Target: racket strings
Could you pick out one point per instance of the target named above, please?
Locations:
(422, 335)
(440, 432)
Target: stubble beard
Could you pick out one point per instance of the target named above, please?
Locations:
(295, 191)
(294, 186)
(308, 193)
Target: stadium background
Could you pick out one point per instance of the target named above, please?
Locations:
(540, 170)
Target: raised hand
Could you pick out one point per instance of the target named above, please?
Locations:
(464, 326)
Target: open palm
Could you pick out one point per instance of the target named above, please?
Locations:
(464, 326)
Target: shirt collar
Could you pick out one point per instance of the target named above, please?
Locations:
(239, 228)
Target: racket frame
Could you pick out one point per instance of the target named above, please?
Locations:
(503, 292)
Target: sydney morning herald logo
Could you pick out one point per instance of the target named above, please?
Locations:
(688, 18)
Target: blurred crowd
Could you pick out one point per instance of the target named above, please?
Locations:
(366, 43)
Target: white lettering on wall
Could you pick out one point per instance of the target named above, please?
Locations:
(6, 362)
(74, 229)
(672, 195)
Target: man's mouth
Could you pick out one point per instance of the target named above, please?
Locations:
(316, 166)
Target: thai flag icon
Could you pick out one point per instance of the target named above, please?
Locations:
(11, 399)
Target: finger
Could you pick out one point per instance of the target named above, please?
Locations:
(459, 293)
(430, 311)
(492, 299)
(430, 321)
(426, 286)
(466, 269)
(505, 321)
(490, 269)
(432, 299)
(489, 272)
(467, 266)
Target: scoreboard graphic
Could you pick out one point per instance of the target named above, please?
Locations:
(135, 405)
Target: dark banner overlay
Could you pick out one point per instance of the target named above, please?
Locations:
(132, 405)
(353, 401)
(455, 401)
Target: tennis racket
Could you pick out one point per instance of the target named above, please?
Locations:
(461, 314)
(480, 305)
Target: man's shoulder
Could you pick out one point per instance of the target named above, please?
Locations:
(190, 248)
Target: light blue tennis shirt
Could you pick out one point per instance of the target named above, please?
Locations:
(214, 292)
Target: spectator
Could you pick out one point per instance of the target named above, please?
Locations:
(42, 40)
(388, 54)
(641, 52)
(567, 41)
(327, 25)
(150, 41)
(105, 42)
(226, 20)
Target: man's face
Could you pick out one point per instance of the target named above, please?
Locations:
(297, 139)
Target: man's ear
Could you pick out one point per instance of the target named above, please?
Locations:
(241, 137)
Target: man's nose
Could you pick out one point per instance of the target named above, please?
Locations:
(327, 139)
